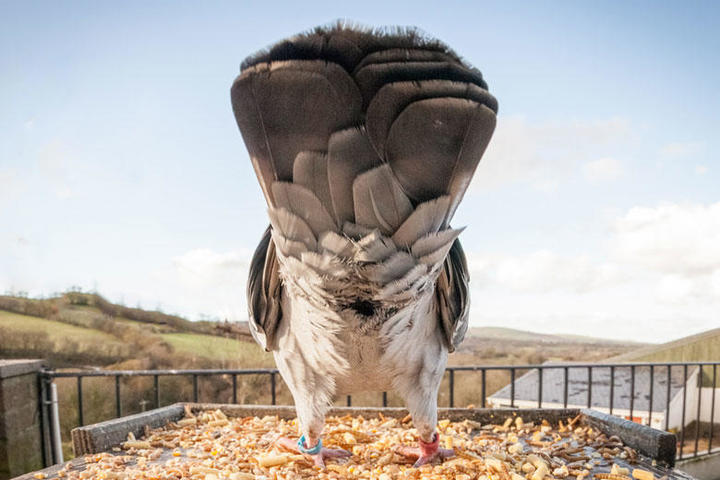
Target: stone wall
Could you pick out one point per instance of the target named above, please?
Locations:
(21, 448)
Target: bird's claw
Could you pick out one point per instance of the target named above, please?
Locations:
(424, 458)
(427, 452)
(318, 458)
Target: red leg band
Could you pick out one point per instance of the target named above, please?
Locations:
(428, 448)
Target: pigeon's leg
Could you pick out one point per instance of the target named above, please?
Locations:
(424, 415)
(311, 425)
(420, 396)
(311, 405)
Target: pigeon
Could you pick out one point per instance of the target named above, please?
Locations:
(364, 142)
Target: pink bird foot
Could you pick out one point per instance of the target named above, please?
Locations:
(427, 452)
(318, 458)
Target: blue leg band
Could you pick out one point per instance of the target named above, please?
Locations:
(310, 451)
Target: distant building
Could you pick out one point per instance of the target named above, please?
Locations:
(553, 391)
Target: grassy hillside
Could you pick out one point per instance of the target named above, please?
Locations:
(503, 333)
(704, 346)
(78, 329)
(57, 331)
(221, 350)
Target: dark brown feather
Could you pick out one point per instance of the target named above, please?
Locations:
(290, 107)
(445, 136)
(451, 296)
(349, 154)
(264, 291)
(392, 99)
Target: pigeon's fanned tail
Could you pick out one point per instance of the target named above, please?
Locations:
(364, 143)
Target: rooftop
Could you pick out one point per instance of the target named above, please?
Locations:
(526, 387)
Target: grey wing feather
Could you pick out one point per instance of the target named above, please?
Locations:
(264, 292)
(452, 296)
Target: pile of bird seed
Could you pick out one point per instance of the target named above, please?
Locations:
(211, 446)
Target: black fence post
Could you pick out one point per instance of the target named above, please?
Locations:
(118, 403)
(512, 387)
(712, 407)
(483, 390)
(273, 399)
(682, 420)
(540, 386)
(81, 420)
(667, 398)
(612, 388)
(45, 412)
(699, 402)
(632, 393)
(451, 387)
(650, 400)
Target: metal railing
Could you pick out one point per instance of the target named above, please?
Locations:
(534, 389)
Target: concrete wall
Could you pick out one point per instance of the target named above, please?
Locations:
(21, 448)
(691, 398)
(706, 403)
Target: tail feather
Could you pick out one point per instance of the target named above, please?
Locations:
(427, 218)
(379, 201)
(364, 143)
(292, 227)
(303, 203)
(393, 98)
(374, 76)
(287, 246)
(391, 269)
(349, 155)
(310, 170)
(338, 245)
(432, 241)
(399, 55)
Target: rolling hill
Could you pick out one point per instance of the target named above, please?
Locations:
(703, 346)
(78, 329)
(83, 329)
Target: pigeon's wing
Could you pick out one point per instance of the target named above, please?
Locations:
(264, 291)
(451, 296)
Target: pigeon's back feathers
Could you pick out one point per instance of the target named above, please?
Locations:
(369, 137)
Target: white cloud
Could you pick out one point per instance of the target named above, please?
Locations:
(544, 153)
(542, 271)
(679, 149)
(57, 165)
(701, 169)
(670, 238)
(660, 269)
(603, 169)
(11, 185)
(210, 282)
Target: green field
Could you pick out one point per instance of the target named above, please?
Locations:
(704, 346)
(223, 350)
(189, 347)
(59, 333)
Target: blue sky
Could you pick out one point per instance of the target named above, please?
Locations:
(595, 211)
